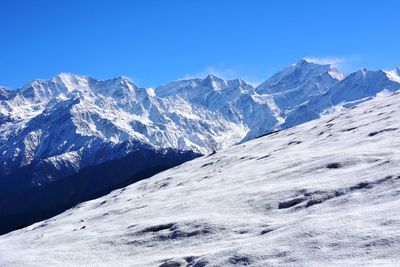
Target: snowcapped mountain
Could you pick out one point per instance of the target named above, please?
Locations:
(54, 129)
(297, 83)
(361, 84)
(60, 120)
(324, 193)
(355, 88)
(300, 75)
(233, 101)
(291, 87)
(394, 74)
(69, 121)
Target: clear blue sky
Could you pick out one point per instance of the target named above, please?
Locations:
(154, 42)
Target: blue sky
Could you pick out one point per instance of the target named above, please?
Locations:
(154, 42)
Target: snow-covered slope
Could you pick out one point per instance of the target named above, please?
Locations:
(320, 194)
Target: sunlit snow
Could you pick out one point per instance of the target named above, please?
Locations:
(325, 193)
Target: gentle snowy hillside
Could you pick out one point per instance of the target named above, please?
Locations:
(319, 194)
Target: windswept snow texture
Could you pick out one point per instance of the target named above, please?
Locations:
(320, 194)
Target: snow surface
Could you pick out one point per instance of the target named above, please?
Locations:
(325, 193)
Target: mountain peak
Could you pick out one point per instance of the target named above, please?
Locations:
(71, 81)
(325, 68)
(239, 84)
(311, 67)
(304, 61)
(361, 72)
(309, 62)
(293, 76)
(394, 75)
(215, 82)
(211, 76)
(4, 92)
(67, 75)
(122, 79)
(364, 73)
(66, 78)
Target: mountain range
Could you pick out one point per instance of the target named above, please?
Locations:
(324, 193)
(52, 130)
